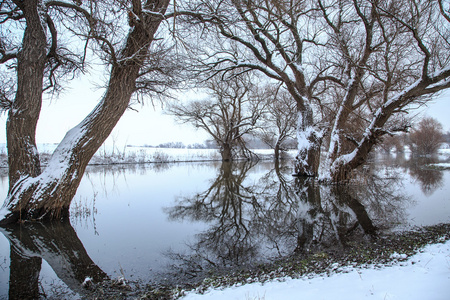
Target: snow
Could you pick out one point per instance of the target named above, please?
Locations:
(441, 165)
(425, 275)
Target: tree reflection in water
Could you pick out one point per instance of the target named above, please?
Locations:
(278, 215)
(225, 203)
(429, 179)
(252, 213)
(56, 243)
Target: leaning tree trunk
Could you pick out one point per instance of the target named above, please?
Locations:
(343, 165)
(47, 195)
(309, 141)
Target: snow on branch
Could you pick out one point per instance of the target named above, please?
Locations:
(7, 55)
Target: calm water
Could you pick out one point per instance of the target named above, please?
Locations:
(174, 222)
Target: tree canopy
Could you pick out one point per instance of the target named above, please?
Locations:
(354, 67)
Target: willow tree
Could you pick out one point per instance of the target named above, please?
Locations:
(231, 112)
(389, 57)
(40, 42)
(269, 37)
(353, 67)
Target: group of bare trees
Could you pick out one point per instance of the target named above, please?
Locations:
(352, 68)
(424, 138)
(238, 108)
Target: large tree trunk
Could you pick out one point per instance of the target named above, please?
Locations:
(341, 167)
(226, 152)
(309, 140)
(23, 158)
(47, 195)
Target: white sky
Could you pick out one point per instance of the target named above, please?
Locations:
(147, 126)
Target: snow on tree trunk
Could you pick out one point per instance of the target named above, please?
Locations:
(23, 158)
(309, 139)
(342, 166)
(47, 195)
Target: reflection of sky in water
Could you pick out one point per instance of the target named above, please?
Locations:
(430, 208)
(130, 231)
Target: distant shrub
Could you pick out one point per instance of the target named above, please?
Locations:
(160, 156)
(427, 137)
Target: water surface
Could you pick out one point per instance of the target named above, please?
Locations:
(177, 222)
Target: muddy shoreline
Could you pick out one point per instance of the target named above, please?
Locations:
(375, 251)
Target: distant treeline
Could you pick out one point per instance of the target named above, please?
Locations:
(252, 143)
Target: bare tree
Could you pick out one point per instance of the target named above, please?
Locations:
(279, 122)
(355, 66)
(270, 37)
(232, 111)
(426, 137)
(391, 142)
(392, 56)
(123, 34)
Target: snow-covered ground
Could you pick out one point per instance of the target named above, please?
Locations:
(424, 276)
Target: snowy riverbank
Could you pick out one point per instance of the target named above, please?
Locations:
(425, 275)
(138, 154)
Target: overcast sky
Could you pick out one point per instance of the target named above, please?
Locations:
(148, 125)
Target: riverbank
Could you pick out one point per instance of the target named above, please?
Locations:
(425, 275)
(141, 155)
(380, 252)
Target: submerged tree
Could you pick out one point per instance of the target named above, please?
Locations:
(33, 50)
(354, 67)
(401, 58)
(232, 111)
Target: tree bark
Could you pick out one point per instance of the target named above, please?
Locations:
(47, 195)
(277, 151)
(309, 141)
(226, 152)
(23, 158)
